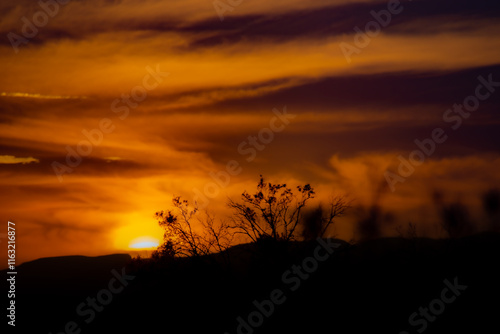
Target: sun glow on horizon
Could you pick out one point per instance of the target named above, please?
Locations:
(138, 233)
(144, 242)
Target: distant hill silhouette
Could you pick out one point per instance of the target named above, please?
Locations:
(73, 264)
(373, 286)
(68, 273)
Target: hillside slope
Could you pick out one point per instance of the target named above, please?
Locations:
(373, 286)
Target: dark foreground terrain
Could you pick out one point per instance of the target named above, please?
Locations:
(379, 286)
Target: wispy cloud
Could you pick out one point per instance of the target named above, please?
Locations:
(10, 160)
(110, 159)
(41, 96)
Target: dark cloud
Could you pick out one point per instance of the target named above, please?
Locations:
(418, 17)
(384, 90)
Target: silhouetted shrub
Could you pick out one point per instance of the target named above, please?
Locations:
(181, 237)
(269, 218)
(273, 211)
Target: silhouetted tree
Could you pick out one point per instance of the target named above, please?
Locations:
(165, 251)
(312, 223)
(370, 223)
(455, 217)
(315, 223)
(491, 205)
(372, 219)
(410, 233)
(182, 238)
(273, 212)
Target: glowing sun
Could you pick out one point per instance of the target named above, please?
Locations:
(137, 233)
(144, 242)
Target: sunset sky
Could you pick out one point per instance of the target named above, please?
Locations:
(349, 117)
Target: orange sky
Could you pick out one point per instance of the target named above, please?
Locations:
(352, 119)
